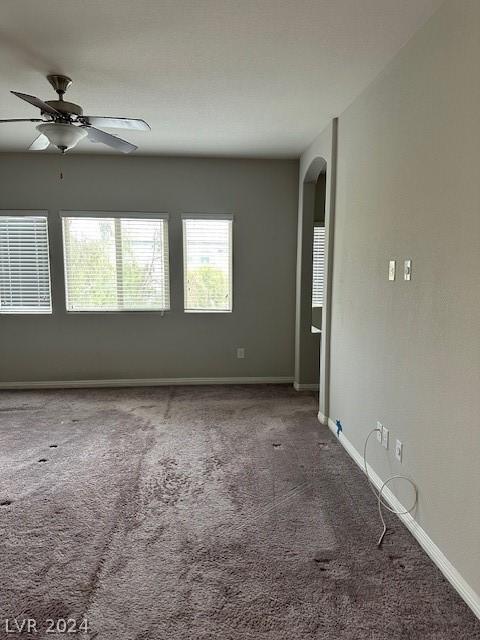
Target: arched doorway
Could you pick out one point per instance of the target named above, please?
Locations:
(314, 260)
(309, 312)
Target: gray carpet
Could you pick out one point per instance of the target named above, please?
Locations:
(192, 513)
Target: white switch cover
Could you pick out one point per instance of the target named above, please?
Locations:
(407, 270)
(391, 269)
(398, 450)
(240, 353)
(379, 432)
(385, 433)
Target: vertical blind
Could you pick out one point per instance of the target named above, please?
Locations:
(24, 265)
(207, 257)
(318, 266)
(116, 264)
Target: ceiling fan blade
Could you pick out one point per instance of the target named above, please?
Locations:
(24, 120)
(40, 143)
(97, 135)
(117, 123)
(43, 106)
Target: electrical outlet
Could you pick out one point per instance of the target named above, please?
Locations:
(379, 432)
(398, 450)
(240, 353)
(385, 433)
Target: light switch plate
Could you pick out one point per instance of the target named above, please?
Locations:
(391, 269)
(407, 270)
(398, 450)
(385, 433)
(240, 353)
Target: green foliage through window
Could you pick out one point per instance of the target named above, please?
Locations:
(116, 264)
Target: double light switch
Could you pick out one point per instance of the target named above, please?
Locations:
(407, 270)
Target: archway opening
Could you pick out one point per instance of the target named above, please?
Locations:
(311, 271)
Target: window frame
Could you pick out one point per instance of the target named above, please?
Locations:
(33, 213)
(215, 217)
(143, 215)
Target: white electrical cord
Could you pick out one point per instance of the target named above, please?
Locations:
(379, 494)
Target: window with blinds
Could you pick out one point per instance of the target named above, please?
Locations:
(207, 263)
(24, 264)
(116, 263)
(318, 266)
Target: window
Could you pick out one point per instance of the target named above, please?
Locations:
(116, 263)
(207, 262)
(318, 266)
(24, 264)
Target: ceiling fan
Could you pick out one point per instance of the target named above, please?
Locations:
(64, 125)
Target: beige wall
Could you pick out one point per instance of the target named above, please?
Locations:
(262, 195)
(408, 354)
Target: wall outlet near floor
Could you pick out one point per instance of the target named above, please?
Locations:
(399, 450)
(385, 434)
(379, 432)
(240, 353)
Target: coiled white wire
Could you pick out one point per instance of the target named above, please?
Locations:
(379, 494)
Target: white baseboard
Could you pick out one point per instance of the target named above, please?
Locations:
(323, 419)
(457, 581)
(140, 382)
(305, 387)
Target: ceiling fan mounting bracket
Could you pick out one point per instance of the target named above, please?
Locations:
(59, 83)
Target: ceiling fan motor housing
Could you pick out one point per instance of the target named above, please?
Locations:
(66, 108)
(61, 83)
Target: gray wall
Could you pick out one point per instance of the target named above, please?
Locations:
(408, 354)
(262, 195)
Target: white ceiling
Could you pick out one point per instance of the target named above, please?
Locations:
(212, 77)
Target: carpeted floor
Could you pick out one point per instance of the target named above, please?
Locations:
(225, 513)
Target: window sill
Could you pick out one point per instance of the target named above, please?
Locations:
(112, 312)
(26, 313)
(208, 311)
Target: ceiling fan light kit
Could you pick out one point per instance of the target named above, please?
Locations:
(63, 124)
(62, 135)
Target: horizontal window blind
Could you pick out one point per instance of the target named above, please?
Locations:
(24, 265)
(116, 264)
(207, 256)
(318, 266)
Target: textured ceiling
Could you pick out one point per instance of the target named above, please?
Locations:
(212, 77)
